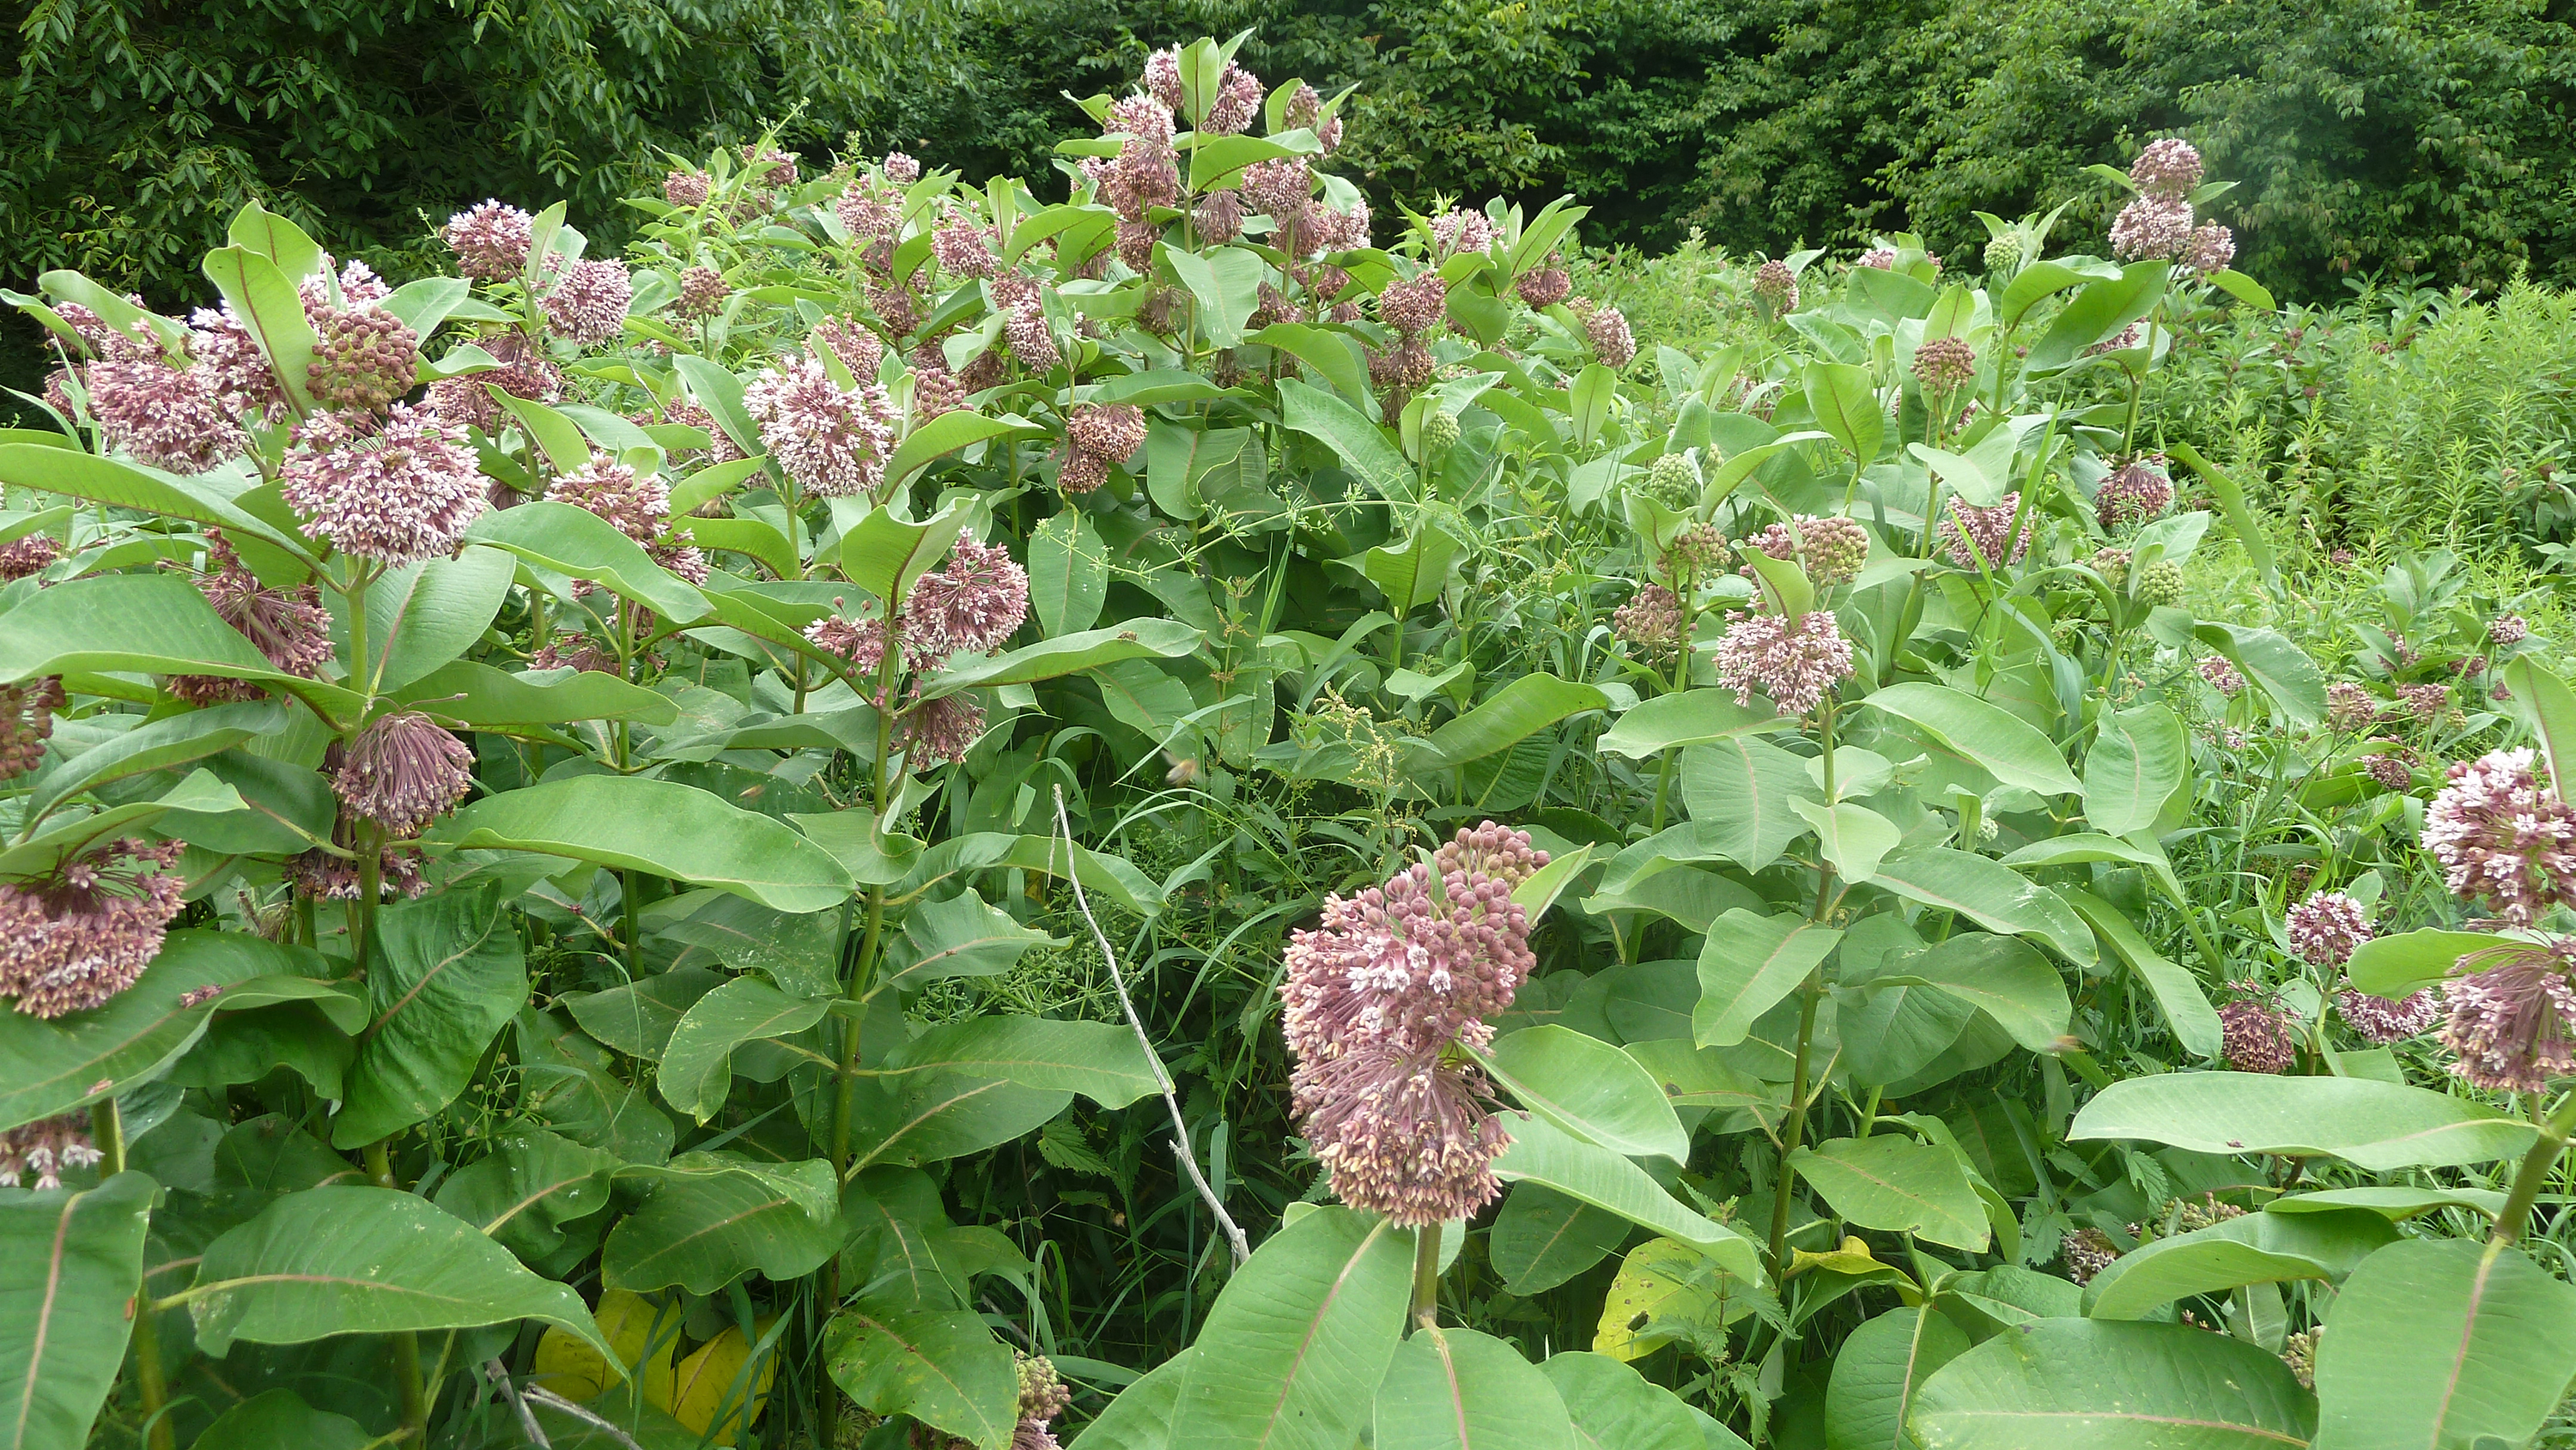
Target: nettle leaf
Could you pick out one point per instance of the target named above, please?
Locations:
(448, 974)
(349, 1260)
(68, 1264)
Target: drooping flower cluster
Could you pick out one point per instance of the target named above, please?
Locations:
(832, 440)
(26, 555)
(326, 877)
(74, 939)
(847, 338)
(2159, 223)
(2393, 768)
(402, 772)
(44, 1149)
(589, 304)
(860, 641)
(1791, 661)
(2327, 928)
(635, 505)
(1413, 306)
(1944, 364)
(2502, 835)
(168, 416)
(971, 605)
(1776, 287)
(2222, 676)
(943, 729)
(289, 626)
(1146, 172)
(703, 291)
(1022, 304)
(2255, 1035)
(491, 241)
(2349, 707)
(1606, 328)
(1097, 437)
(1545, 286)
(26, 722)
(402, 491)
(1988, 530)
(2511, 1024)
(2136, 491)
(1376, 995)
(2378, 1021)
(1830, 549)
(1651, 623)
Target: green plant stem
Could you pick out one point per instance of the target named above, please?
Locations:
(1426, 1276)
(1793, 1131)
(107, 1135)
(2537, 1164)
(362, 911)
(406, 1343)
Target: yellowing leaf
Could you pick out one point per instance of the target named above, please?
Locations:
(1667, 1280)
(1850, 1257)
(575, 1371)
(706, 1383)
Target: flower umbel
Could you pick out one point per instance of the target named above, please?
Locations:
(2511, 1022)
(403, 772)
(72, 940)
(2503, 836)
(1792, 661)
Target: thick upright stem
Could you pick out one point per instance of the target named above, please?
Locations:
(2537, 1165)
(1426, 1276)
(1794, 1130)
(107, 1135)
(405, 1347)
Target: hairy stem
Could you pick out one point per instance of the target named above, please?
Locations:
(1426, 1276)
(2537, 1164)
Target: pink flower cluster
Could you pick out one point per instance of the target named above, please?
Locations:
(832, 440)
(2381, 1022)
(588, 304)
(2222, 676)
(44, 1148)
(2159, 222)
(402, 772)
(290, 627)
(1460, 230)
(2255, 1036)
(1651, 623)
(1097, 437)
(1989, 529)
(2327, 928)
(971, 605)
(1375, 998)
(2503, 835)
(1830, 549)
(76, 938)
(1794, 662)
(1776, 287)
(2511, 1023)
(2136, 491)
(395, 490)
(2350, 707)
(26, 723)
(168, 415)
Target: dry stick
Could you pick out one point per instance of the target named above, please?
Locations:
(552, 1401)
(1180, 1130)
(499, 1374)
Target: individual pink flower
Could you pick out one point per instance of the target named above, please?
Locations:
(246, 386)
(1989, 528)
(2168, 168)
(2151, 227)
(588, 305)
(935, 390)
(26, 722)
(970, 605)
(1879, 258)
(358, 285)
(2136, 491)
(2512, 1015)
(2503, 836)
(1794, 662)
(2327, 928)
(402, 772)
(2427, 703)
(1280, 189)
(45, 1149)
(491, 241)
(688, 413)
(405, 492)
(847, 338)
(79, 936)
(832, 440)
(769, 165)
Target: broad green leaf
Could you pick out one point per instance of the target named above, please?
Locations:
(2378, 1126)
(479, 697)
(1988, 893)
(638, 1018)
(720, 393)
(702, 1232)
(142, 624)
(1747, 964)
(1589, 1088)
(2177, 993)
(941, 1367)
(280, 1418)
(154, 745)
(1103, 1061)
(1064, 654)
(1412, 572)
(1333, 355)
(1853, 837)
(1539, 890)
(2041, 280)
(2088, 1384)
(801, 952)
(1543, 1238)
(1614, 1407)
(1227, 283)
(1693, 717)
(1663, 1287)
(1896, 1184)
(104, 480)
(264, 301)
(1068, 573)
(2137, 762)
(1878, 1371)
(1738, 466)
(422, 616)
(1510, 715)
(2391, 1202)
(2006, 978)
(2296, 687)
(1542, 1153)
(1298, 1337)
(2097, 314)
(2444, 1343)
(1141, 1417)
(1141, 696)
(79, 1258)
(1360, 444)
(807, 1183)
(1455, 1389)
(572, 540)
(2005, 744)
(446, 976)
(883, 554)
(659, 826)
(1845, 401)
(2553, 705)
(75, 1060)
(2253, 1248)
(559, 438)
(930, 1116)
(2401, 965)
(1740, 792)
(2231, 502)
(697, 1063)
(754, 537)
(962, 936)
(298, 256)
(349, 1260)
(1588, 400)
(527, 1188)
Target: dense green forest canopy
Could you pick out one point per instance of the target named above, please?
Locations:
(2379, 136)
